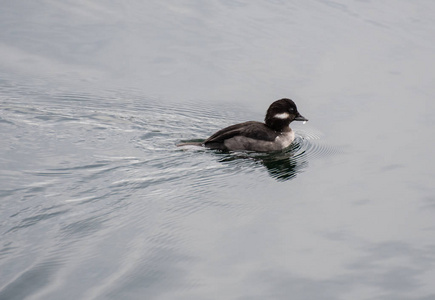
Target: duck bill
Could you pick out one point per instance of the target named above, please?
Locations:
(299, 117)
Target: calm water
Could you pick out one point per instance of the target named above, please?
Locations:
(97, 202)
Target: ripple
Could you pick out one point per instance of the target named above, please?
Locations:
(31, 280)
(309, 142)
(30, 221)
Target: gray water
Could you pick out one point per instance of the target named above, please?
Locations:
(97, 202)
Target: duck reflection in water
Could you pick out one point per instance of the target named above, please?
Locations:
(281, 166)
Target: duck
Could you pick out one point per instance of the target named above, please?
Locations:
(273, 135)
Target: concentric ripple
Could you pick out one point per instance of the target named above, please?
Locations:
(309, 142)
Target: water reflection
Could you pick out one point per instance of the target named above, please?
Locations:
(281, 166)
(285, 167)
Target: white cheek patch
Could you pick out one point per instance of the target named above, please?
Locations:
(282, 116)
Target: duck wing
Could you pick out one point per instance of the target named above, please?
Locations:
(251, 129)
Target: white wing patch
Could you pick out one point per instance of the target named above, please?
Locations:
(282, 115)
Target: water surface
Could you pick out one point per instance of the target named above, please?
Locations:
(97, 202)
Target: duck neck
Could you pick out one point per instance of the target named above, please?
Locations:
(279, 125)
